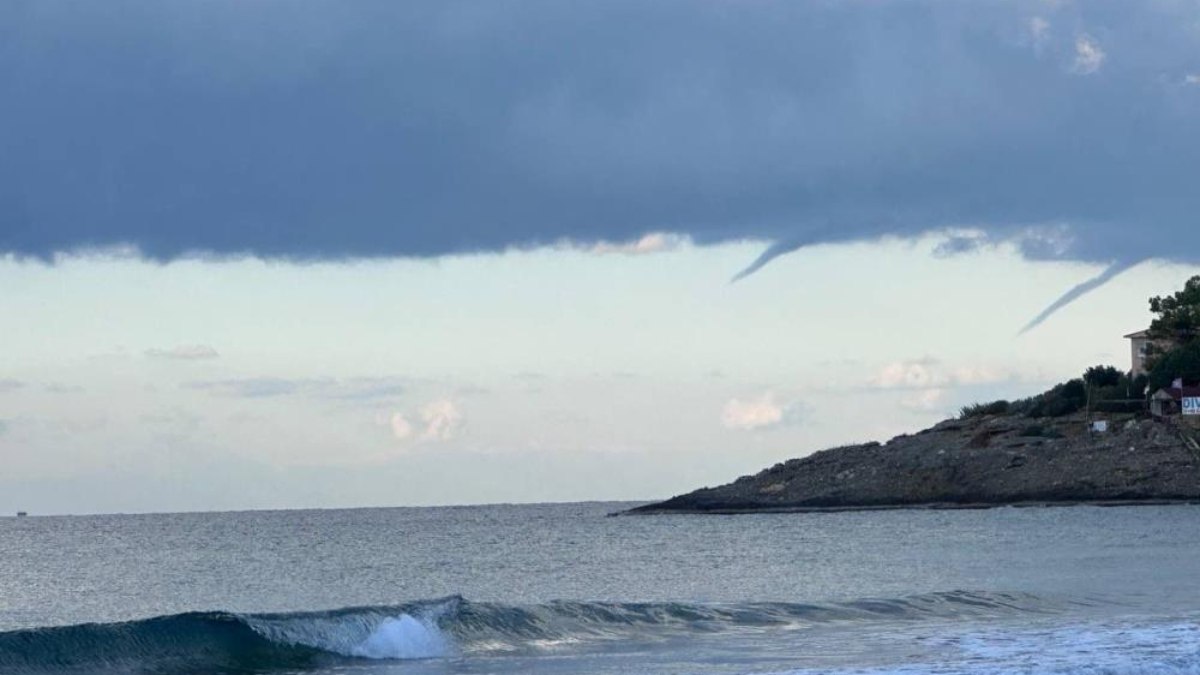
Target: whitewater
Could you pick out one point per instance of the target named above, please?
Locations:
(565, 589)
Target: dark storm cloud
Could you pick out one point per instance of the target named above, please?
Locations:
(324, 130)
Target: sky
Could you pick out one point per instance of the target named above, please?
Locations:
(318, 254)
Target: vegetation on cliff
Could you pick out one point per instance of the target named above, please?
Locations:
(1099, 389)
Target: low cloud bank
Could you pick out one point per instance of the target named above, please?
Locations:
(428, 128)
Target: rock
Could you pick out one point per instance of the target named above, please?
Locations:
(972, 463)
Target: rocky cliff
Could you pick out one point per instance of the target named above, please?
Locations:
(989, 460)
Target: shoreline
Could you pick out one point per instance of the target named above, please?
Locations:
(928, 506)
(979, 462)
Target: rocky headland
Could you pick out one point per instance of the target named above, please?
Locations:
(977, 462)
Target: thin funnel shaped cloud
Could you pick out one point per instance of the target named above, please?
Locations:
(1079, 291)
(773, 251)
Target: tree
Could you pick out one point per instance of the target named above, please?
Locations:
(1102, 376)
(1177, 315)
(1176, 331)
(1182, 362)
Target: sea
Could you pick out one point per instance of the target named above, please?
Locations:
(564, 588)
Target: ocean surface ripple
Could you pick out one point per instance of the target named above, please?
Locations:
(561, 589)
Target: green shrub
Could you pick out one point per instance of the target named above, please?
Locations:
(1108, 389)
(980, 409)
(1061, 399)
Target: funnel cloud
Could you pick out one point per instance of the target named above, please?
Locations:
(1079, 291)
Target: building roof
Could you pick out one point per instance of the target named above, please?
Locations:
(1140, 334)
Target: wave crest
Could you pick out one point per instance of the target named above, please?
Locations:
(227, 642)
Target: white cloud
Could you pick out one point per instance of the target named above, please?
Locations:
(928, 374)
(758, 413)
(401, 428)
(442, 420)
(184, 353)
(967, 375)
(924, 400)
(1088, 55)
(654, 242)
(1039, 31)
(437, 420)
(1046, 241)
(909, 375)
(1191, 78)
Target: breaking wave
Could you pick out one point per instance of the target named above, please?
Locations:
(207, 642)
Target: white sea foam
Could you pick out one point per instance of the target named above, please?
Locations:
(404, 638)
(364, 635)
(1135, 648)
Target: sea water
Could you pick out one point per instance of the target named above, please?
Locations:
(565, 589)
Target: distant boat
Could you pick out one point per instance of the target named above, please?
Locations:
(21, 514)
